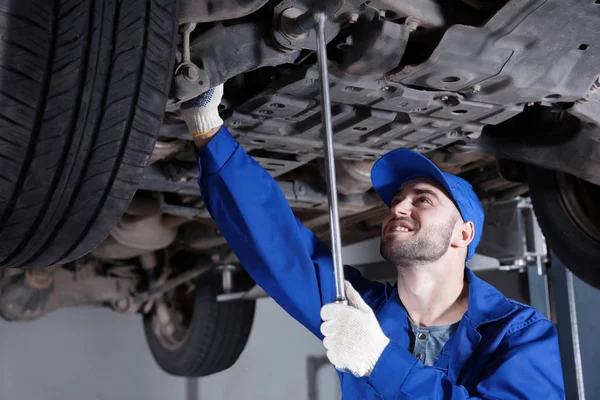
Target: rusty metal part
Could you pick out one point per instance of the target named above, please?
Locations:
(134, 236)
(170, 284)
(111, 249)
(293, 23)
(148, 305)
(200, 236)
(163, 323)
(81, 286)
(353, 177)
(40, 278)
(186, 30)
(287, 21)
(256, 292)
(190, 72)
(171, 321)
(86, 286)
(165, 149)
(186, 68)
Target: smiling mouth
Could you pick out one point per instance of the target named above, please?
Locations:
(399, 226)
(400, 229)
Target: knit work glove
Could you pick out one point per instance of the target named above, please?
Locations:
(353, 338)
(201, 114)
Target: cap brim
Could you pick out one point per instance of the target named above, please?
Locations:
(399, 166)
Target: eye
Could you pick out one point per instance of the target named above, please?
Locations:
(423, 200)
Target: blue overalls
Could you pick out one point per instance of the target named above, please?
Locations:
(501, 349)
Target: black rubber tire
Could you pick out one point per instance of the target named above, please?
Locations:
(576, 249)
(83, 88)
(217, 336)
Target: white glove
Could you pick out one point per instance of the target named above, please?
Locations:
(201, 114)
(353, 338)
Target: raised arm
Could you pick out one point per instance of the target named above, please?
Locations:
(285, 258)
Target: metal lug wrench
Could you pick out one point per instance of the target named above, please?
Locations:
(334, 219)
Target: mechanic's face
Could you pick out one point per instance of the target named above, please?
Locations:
(421, 225)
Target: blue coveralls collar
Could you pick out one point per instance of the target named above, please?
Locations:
(486, 304)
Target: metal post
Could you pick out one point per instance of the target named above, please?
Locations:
(192, 389)
(575, 336)
(567, 310)
(313, 365)
(539, 296)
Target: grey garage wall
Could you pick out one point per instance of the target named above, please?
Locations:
(95, 354)
(81, 354)
(274, 363)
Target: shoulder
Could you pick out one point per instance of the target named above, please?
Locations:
(523, 322)
(526, 317)
(524, 329)
(494, 314)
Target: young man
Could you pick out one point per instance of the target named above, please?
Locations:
(439, 333)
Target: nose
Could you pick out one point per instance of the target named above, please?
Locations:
(401, 208)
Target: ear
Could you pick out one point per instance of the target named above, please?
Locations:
(463, 234)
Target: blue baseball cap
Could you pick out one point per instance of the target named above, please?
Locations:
(399, 166)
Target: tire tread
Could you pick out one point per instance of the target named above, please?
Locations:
(218, 334)
(70, 147)
(578, 251)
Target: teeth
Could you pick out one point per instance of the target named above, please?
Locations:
(402, 229)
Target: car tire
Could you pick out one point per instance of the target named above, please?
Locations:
(212, 340)
(567, 211)
(83, 91)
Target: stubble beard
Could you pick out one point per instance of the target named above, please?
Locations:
(423, 248)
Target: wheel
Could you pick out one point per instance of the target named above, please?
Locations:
(203, 336)
(567, 211)
(83, 92)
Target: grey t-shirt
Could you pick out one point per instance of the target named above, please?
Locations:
(427, 342)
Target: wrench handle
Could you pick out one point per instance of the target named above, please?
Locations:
(334, 219)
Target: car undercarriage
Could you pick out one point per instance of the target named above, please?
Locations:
(503, 93)
(483, 91)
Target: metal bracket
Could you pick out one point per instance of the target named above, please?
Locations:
(512, 235)
(256, 292)
(187, 68)
(227, 277)
(313, 365)
(169, 284)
